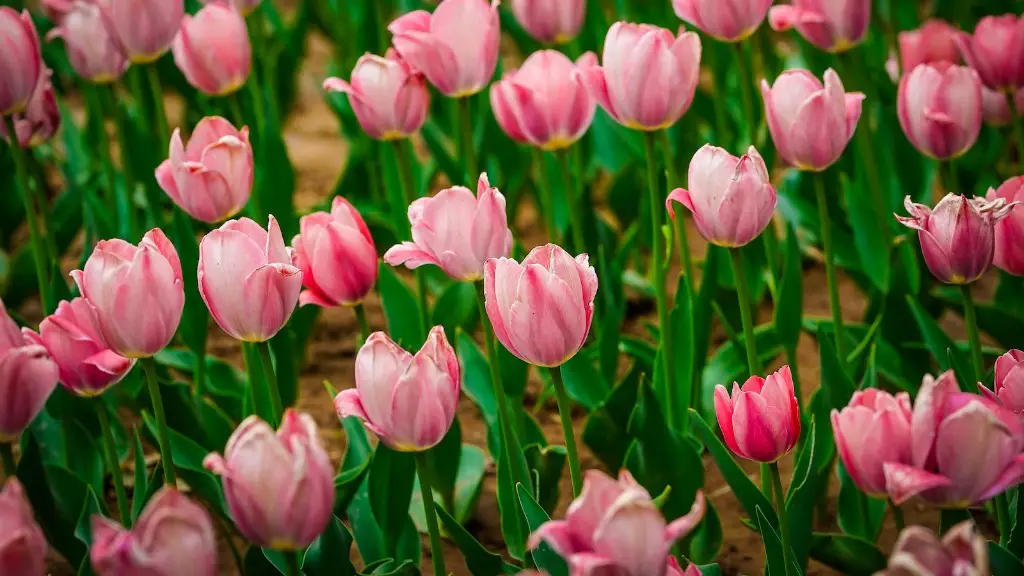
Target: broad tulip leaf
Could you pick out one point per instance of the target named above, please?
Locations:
(857, 513)
(847, 554)
(390, 484)
(606, 431)
(773, 550)
(583, 382)
(479, 560)
(401, 309)
(328, 555)
(543, 556)
(1002, 561)
(789, 307)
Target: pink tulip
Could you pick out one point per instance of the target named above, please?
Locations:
(56, 9)
(965, 448)
(212, 50)
(731, 199)
(456, 47)
(550, 21)
(1009, 232)
(939, 108)
(614, 527)
(173, 536)
(832, 25)
(93, 51)
(247, 280)
(726, 20)
(810, 123)
(279, 487)
(456, 231)
(21, 63)
(27, 377)
(389, 98)
(137, 293)
(72, 337)
(957, 236)
(408, 401)
(872, 430)
(996, 51)
(1008, 390)
(246, 7)
(995, 106)
(22, 543)
(761, 421)
(934, 41)
(962, 551)
(648, 77)
(336, 255)
(41, 118)
(144, 28)
(211, 178)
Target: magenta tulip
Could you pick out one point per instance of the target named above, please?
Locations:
(22, 543)
(961, 552)
(173, 536)
(934, 41)
(21, 62)
(1008, 390)
(731, 199)
(41, 118)
(872, 430)
(27, 377)
(212, 50)
(550, 21)
(832, 25)
(761, 421)
(145, 29)
(389, 98)
(1009, 232)
(996, 51)
(279, 487)
(408, 401)
(93, 51)
(939, 108)
(727, 20)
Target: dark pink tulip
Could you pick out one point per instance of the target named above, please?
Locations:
(27, 377)
(996, 51)
(456, 47)
(761, 421)
(731, 199)
(1009, 232)
(961, 552)
(21, 63)
(408, 401)
(93, 51)
(965, 448)
(872, 430)
(614, 528)
(41, 118)
(939, 108)
(120, 280)
(544, 103)
(244, 6)
(1008, 390)
(810, 123)
(934, 41)
(728, 20)
(648, 77)
(212, 49)
(172, 537)
(336, 255)
(550, 21)
(22, 543)
(832, 25)
(279, 487)
(144, 28)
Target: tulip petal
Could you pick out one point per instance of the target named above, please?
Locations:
(556, 533)
(682, 526)
(593, 78)
(586, 512)
(632, 534)
(1011, 476)
(409, 254)
(903, 482)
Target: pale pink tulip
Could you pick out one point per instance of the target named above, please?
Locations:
(1008, 390)
(934, 41)
(27, 377)
(145, 29)
(21, 62)
(961, 552)
(93, 51)
(1009, 232)
(389, 98)
(41, 118)
(727, 20)
(22, 543)
(996, 51)
(761, 421)
(212, 49)
(246, 7)
(831, 25)
(550, 21)
(939, 108)
(872, 430)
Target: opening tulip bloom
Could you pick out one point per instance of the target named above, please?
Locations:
(93, 51)
(550, 21)
(726, 20)
(457, 231)
(1009, 232)
(212, 49)
(41, 118)
(872, 430)
(648, 77)
(145, 29)
(940, 109)
(761, 421)
(27, 377)
(810, 123)
(408, 401)
(21, 62)
(279, 487)
(211, 178)
(731, 199)
(1008, 390)
(996, 51)
(917, 551)
(614, 527)
(456, 47)
(832, 25)
(23, 545)
(121, 281)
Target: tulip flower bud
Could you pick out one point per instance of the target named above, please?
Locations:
(144, 28)
(1008, 390)
(934, 41)
(456, 47)
(27, 377)
(550, 21)
(917, 551)
(279, 487)
(544, 103)
(731, 199)
(137, 293)
(212, 50)
(761, 422)
(996, 51)
(173, 536)
(247, 279)
(1009, 232)
(872, 430)
(648, 77)
(726, 20)
(389, 98)
(336, 255)
(23, 545)
(93, 51)
(41, 118)
(211, 178)
(810, 123)
(939, 108)
(408, 401)
(245, 7)
(21, 63)
(832, 25)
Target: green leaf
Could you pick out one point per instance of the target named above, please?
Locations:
(935, 337)
(1002, 561)
(773, 550)
(868, 234)
(456, 308)
(479, 560)
(583, 382)
(790, 304)
(328, 555)
(196, 318)
(729, 363)
(837, 383)
(847, 554)
(354, 467)
(857, 513)
(543, 556)
(58, 526)
(141, 489)
(606, 431)
(444, 465)
(707, 538)
(275, 179)
(682, 320)
(469, 482)
(546, 466)
(188, 462)
(390, 484)
(401, 309)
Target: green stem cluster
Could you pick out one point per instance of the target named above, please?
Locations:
(364, 325)
(830, 268)
(467, 148)
(110, 455)
(565, 415)
(32, 216)
(430, 514)
(275, 392)
(163, 431)
(573, 200)
(685, 259)
(405, 181)
(780, 510)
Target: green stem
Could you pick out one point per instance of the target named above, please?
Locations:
(275, 392)
(780, 510)
(565, 415)
(897, 516)
(291, 558)
(830, 268)
(467, 148)
(547, 206)
(952, 184)
(199, 378)
(436, 553)
(159, 112)
(746, 313)
(405, 180)
(236, 110)
(1018, 127)
(127, 203)
(95, 104)
(163, 432)
(685, 258)
(1002, 506)
(7, 454)
(745, 90)
(257, 104)
(721, 121)
(575, 207)
(110, 455)
(161, 142)
(35, 237)
(970, 318)
(261, 404)
(364, 325)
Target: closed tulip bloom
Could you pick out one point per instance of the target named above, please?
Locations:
(872, 430)
(614, 527)
(962, 552)
(550, 21)
(22, 543)
(996, 51)
(389, 98)
(408, 401)
(934, 41)
(173, 536)
(21, 63)
(93, 51)
(1009, 232)
(727, 20)
(212, 49)
(810, 123)
(337, 257)
(41, 118)
(247, 279)
(246, 7)
(761, 421)
(731, 199)
(544, 103)
(456, 231)
(27, 377)
(279, 487)
(211, 177)
(136, 291)
(145, 29)
(648, 76)
(832, 25)
(1008, 390)
(939, 108)
(456, 47)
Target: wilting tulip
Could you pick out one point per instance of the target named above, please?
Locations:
(996, 51)
(23, 545)
(279, 487)
(550, 21)
(934, 41)
(389, 98)
(211, 178)
(93, 51)
(456, 231)
(810, 123)
(544, 103)
(336, 255)
(728, 20)
(939, 108)
(761, 421)
(614, 527)
(41, 118)
(872, 430)
(832, 25)
(244, 6)
(247, 279)
(456, 47)
(1009, 232)
(21, 63)
(173, 536)
(145, 29)
(962, 551)
(1009, 383)
(27, 377)
(731, 199)
(212, 50)
(137, 293)
(648, 77)
(957, 236)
